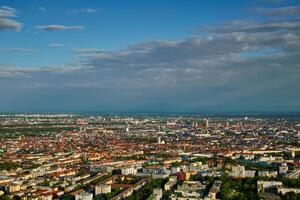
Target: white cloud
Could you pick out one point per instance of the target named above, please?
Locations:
(58, 45)
(89, 10)
(17, 50)
(87, 50)
(281, 11)
(57, 27)
(5, 22)
(6, 11)
(41, 8)
(84, 10)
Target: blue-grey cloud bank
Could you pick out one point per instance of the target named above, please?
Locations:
(152, 56)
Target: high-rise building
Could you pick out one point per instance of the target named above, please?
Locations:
(298, 130)
(206, 123)
(159, 140)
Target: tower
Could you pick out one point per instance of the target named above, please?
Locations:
(206, 123)
(82, 129)
(298, 129)
(240, 124)
(159, 140)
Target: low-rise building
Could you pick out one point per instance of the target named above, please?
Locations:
(241, 172)
(102, 189)
(189, 190)
(284, 190)
(262, 185)
(270, 174)
(157, 194)
(14, 187)
(84, 196)
(129, 171)
(172, 181)
(213, 191)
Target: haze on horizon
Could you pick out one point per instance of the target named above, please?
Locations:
(158, 55)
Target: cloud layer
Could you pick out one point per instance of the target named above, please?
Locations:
(17, 50)
(236, 65)
(57, 27)
(5, 22)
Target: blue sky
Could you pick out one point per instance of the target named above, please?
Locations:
(113, 25)
(157, 55)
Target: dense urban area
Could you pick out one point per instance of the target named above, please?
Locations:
(148, 157)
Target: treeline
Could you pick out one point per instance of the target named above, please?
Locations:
(9, 165)
(34, 130)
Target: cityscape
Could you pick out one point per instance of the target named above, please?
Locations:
(150, 100)
(85, 157)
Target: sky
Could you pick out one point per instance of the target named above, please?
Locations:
(149, 55)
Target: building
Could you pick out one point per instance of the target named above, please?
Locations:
(262, 185)
(189, 190)
(284, 190)
(298, 130)
(294, 174)
(213, 191)
(240, 172)
(157, 194)
(14, 187)
(84, 196)
(102, 189)
(283, 169)
(5, 179)
(175, 170)
(159, 140)
(47, 196)
(172, 181)
(270, 174)
(181, 176)
(206, 123)
(129, 171)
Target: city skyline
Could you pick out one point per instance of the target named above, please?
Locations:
(149, 56)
